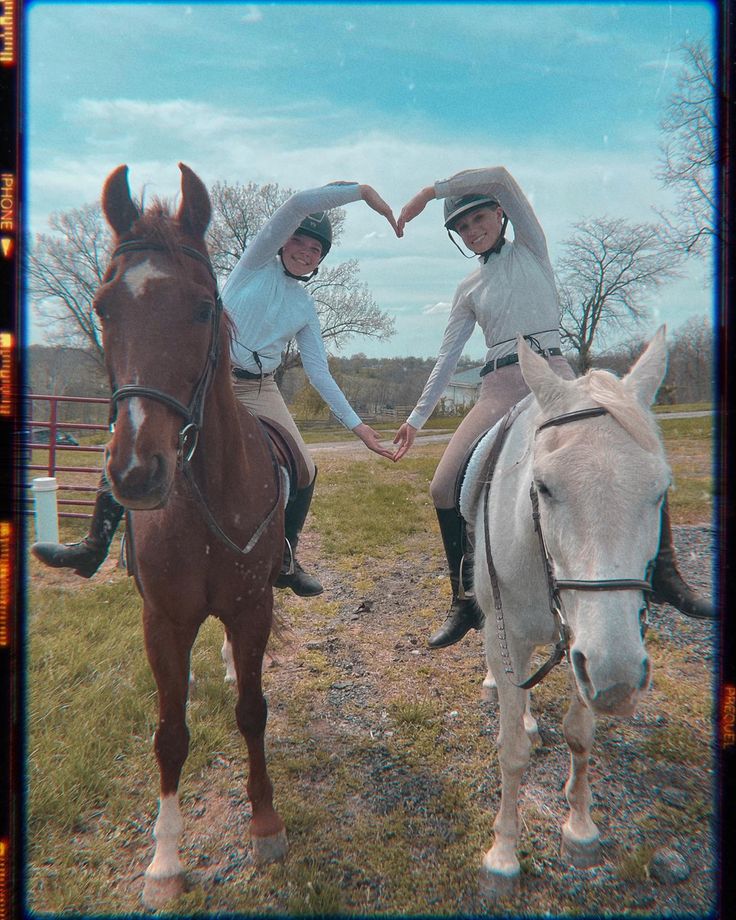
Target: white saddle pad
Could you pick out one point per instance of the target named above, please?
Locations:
(472, 483)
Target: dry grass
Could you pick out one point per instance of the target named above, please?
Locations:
(381, 752)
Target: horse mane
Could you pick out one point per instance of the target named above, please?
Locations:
(609, 392)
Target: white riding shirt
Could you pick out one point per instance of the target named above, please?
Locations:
(512, 293)
(269, 308)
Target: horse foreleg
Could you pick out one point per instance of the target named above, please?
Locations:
(580, 836)
(266, 829)
(168, 654)
(501, 869)
(489, 694)
(227, 659)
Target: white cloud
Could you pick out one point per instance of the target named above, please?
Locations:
(413, 278)
(432, 309)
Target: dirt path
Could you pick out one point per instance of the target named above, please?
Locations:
(352, 672)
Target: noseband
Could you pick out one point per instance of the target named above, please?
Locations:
(193, 414)
(554, 585)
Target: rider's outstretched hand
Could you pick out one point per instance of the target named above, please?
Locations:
(372, 440)
(374, 200)
(404, 438)
(415, 206)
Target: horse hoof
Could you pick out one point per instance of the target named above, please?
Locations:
(582, 854)
(270, 849)
(157, 892)
(498, 884)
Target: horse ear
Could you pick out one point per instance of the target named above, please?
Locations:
(195, 209)
(646, 376)
(539, 376)
(117, 205)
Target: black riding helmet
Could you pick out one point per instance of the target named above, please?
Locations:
(456, 207)
(318, 226)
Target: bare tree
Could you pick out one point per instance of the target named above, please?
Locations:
(64, 271)
(689, 154)
(239, 212)
(608, 267)
(691, 369)
(66, 267)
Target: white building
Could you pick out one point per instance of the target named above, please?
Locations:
(462, 390)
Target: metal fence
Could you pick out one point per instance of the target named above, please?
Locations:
(56, 439)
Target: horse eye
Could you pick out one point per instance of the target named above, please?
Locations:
(542, 488)
(99, 309)
(204, 312)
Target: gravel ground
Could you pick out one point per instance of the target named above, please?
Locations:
(657, 806)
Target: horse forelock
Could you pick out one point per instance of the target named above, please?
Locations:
(606, 390)
(158, 225)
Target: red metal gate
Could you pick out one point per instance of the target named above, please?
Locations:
(55, 437)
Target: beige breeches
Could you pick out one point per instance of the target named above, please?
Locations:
(499, 391)
(269, 403)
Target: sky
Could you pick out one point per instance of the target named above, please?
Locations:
(568, 97)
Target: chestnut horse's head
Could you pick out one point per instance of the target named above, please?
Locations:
(160, 312)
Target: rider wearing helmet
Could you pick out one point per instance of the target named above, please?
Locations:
(270, 306)
(511, 292)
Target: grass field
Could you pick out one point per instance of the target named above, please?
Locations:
(381, 754)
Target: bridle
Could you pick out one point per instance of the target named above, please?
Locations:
(555, 586)
(193, 414)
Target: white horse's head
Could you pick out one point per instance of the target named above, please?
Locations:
(601, 482)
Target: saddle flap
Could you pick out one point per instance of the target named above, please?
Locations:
(287, 453)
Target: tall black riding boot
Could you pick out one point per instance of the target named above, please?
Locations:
(88, 555)
(669, 586)
(464, 614)
(292, 574)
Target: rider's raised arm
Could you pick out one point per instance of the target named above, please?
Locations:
(285, 220)
(498, 183)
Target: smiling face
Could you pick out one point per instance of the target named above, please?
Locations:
(301, 254)
(480, 229)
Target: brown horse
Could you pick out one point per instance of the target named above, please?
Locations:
(198, 474)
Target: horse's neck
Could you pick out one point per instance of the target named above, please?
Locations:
(232, 439)
(513, 476)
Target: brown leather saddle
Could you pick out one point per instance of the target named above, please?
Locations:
(287, 454)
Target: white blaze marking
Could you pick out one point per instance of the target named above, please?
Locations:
(138, 277)
(137, 415)
(167, 832)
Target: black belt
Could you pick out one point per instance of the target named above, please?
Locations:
(514, 359)
(247, 375)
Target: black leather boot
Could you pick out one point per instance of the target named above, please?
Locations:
(292, 574)
(88, 555)
(669, 586)
(464, 614)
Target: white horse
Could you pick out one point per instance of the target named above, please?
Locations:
(596, 481)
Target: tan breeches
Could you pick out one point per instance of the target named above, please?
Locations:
(264, 399)
(499, 391)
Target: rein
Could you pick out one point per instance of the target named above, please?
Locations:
(554, 585)
(193, 414)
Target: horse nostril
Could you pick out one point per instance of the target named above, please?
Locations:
(646, 674)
